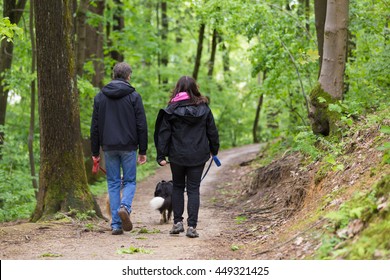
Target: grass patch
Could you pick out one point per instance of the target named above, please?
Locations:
(148, 231)
(50, 255)
(240, 219)
(133, 250)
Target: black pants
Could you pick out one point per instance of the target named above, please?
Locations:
(186, 177)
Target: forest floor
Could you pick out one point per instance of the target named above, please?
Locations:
(247, 212)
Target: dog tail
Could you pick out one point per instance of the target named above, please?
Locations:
(156, 202)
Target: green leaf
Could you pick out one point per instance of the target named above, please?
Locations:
(321, 99)
(335, 108)
(385, 129)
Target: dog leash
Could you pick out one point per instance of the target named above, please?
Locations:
(217, 162)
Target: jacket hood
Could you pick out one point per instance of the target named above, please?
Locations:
(188, 112)
(117, 89)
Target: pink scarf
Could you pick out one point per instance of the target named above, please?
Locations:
(180, 97)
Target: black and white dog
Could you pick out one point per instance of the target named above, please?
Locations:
(162, 200)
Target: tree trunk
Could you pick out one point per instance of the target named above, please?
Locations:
(63, 183)
(119, 24)
(199, 52)
(164, 36)
(320, 16)
(304, 8)
(212, 54)
(331, 80)
(13, 10)
(32, 106)
(95, 43)
(255, 128)
(335, 48)
(81, 31)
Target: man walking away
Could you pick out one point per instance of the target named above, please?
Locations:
(119, 126)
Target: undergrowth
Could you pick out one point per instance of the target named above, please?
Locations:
(360, 229)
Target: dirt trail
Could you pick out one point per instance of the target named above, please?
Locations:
(71, 241)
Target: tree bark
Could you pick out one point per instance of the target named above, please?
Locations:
(81, 32)
(119, 24)
(199, 52)
(255, 128)
(320, 16)
(95, 43)
(335, 48)
(32, 106)
(63, 183)
(13, 10)
(164, 36)
(212, 54)
(330, 86)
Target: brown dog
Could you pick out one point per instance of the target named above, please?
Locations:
(108, 209)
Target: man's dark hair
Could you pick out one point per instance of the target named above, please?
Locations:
(122, 70)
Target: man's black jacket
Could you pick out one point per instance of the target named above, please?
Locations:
(118, 119)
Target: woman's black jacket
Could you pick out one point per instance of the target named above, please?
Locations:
(186, 134)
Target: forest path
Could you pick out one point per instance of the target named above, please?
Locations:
(149, 239)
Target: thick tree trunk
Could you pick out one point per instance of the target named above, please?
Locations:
(335, 48)
(199, 52)
(331, 81)
(13, 10)
(63, 183)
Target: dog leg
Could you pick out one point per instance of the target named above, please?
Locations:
(165, 216)
(162, 218)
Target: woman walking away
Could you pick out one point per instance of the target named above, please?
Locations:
(185, 132)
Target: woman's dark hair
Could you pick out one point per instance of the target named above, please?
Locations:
(122, 70)
(189, 85)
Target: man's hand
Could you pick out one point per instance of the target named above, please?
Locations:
(163, 162)
(141, 159)
(95, 167)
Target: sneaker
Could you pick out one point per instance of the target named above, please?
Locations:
(125, 217)
(177, 228)
(117, 231)
(191, 232)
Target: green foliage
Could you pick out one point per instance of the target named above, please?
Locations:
(368, 70)
(386, 146)
(86, 94)
(8, 30)
(17, 197)
(304, 142)
(368, 213)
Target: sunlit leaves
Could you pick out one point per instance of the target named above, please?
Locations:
(8, 30)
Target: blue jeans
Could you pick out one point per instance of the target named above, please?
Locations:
(115, 160)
